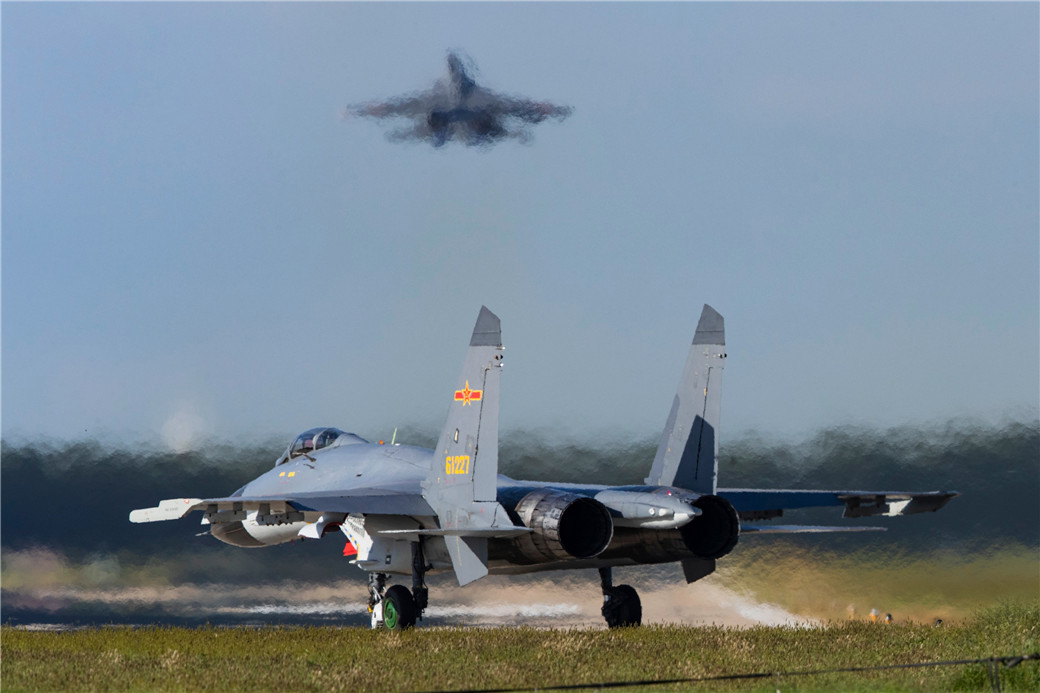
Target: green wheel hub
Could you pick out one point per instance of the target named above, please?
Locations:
(398, 608)
(390, 614)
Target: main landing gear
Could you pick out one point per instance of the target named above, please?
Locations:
(621, 605)
(396, 608)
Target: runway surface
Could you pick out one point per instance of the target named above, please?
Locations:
(495, 601)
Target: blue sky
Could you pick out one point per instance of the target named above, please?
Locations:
(195, 244)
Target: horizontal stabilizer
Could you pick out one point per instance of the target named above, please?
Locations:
(803, 529)
(892, 504)
(762, 504)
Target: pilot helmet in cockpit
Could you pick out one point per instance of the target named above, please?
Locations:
(316, 439)
(326, 438)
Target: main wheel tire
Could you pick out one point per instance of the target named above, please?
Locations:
(632, 611)
(623, 609)
(398, 608)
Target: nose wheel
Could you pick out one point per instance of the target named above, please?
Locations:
(621, 605)
(397, 608)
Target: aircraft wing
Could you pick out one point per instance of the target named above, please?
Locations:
(804, 529)
(525, 109)
(383, 500)
(763, 504)
(403, 106)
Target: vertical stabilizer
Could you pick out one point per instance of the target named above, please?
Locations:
(688, 452)
(462, 485)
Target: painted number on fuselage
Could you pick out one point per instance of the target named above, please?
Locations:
(456, 464)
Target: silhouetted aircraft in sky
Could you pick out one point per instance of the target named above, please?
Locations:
(457, 109)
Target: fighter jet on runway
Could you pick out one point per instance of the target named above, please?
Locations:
(408, 511)
(456, 108)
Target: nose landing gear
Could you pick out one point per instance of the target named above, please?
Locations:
(396, 608)
(399, 612)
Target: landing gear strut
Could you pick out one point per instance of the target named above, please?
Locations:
(419, 591)
(396, 608)
(376, 586)
(621, 605)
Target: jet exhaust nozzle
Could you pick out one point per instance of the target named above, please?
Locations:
(565, 526)
(715, 531)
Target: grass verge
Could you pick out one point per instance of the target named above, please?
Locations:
(335, 659)
(913, 586)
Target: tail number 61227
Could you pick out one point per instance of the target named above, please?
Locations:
(456, 464)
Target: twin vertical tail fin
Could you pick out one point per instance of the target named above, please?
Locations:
(462, 486)
(687, 455)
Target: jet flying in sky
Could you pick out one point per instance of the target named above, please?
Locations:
(457, 109)
(409, 511)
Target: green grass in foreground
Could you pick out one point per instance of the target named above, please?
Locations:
(912, 586)
(340, 659)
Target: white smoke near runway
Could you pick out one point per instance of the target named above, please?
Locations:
(570, 602)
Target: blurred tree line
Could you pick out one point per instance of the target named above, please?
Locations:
(74, 498)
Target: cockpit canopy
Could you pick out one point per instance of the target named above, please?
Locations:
(317, 439)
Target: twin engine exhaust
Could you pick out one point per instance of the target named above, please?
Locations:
(569, 526)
